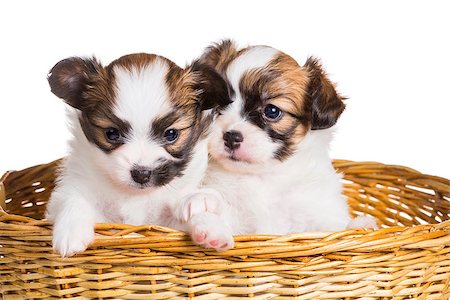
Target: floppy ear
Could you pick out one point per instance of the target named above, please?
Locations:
(219, 55)
(70, 77)
(327, 104)
(212, 88)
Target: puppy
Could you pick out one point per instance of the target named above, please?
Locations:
(270, 171)
(138, 144)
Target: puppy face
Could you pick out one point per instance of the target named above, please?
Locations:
(275, 102)
(141, 114)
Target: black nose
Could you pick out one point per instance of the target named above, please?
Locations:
(141, 174)
(233, 139)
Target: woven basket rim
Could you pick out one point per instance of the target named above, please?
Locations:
(258, 241)
(341, 162)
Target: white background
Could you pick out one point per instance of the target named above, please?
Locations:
(391, 58)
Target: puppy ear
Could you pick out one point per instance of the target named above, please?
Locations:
(70, 77)
(219, 55)
(212, 88)
(327, 104)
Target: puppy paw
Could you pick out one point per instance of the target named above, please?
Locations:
(206, 200)
(70, 239)
(209, 231)
(363, 222)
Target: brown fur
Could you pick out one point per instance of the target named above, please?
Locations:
(325, 103)
(220, 55)
(136, 61)
(284, 84)
(181, 85)
(186, 121)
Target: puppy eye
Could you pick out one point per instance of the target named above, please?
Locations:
(171, 135)
(272, 113)
(113, 135)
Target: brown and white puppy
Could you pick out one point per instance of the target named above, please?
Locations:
(138, 144)
(269, 150)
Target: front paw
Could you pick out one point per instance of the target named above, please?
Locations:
(70, 239)
(209, 231)
(207, 200)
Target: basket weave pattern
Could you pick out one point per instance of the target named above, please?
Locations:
(409, 258)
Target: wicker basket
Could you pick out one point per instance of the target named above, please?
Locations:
(408, 258)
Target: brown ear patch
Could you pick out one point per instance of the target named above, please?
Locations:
(212, 89)
(219, 55)
(87, 86)
(181, 86)
(326, 104)
(70, 77)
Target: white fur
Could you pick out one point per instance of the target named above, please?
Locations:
(254, 57)
(141, 94)
(302, 193)
(97, 187)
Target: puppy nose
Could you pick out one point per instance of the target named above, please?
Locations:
(140, 174)
(233, 139)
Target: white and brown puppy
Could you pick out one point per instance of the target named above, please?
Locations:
(138, 143)
(269, 151)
